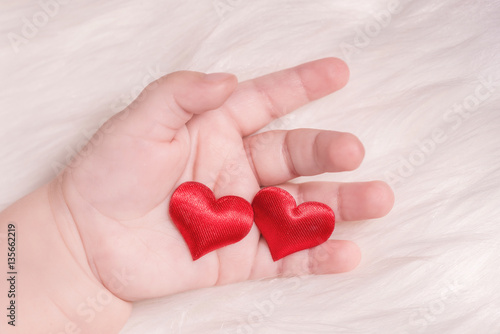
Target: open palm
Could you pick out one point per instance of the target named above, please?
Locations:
(188, 126)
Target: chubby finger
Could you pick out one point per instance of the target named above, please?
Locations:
(257, 102)
(279, 156)
(166, 104)
(349, 201)
(331, 257)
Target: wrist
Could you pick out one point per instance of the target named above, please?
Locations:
(56, 291)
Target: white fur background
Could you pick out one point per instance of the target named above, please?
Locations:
(424, 97)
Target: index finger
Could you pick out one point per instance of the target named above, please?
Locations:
(257, 102)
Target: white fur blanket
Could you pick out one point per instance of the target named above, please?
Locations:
(424, 97)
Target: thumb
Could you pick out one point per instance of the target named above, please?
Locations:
(168, 103)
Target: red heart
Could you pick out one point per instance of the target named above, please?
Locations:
(289, 228)
(207, 224)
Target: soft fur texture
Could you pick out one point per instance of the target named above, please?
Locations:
(431, 266)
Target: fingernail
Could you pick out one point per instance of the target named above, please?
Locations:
(217, 77)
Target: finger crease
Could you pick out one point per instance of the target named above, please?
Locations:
(302, 85)
(219, 268)
(179, 112)
(315, 152)
(281, 266)
(250, 158)
(288, 158)
(269, 102)
(227, 113)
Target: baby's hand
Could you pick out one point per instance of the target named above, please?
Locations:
(189, 126)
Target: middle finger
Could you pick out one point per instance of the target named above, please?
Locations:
(279, 156)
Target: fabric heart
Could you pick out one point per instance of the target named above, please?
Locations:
(289, 228)
(207, 224)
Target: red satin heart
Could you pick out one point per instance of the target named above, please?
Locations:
(207, 224)
(289, 228)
